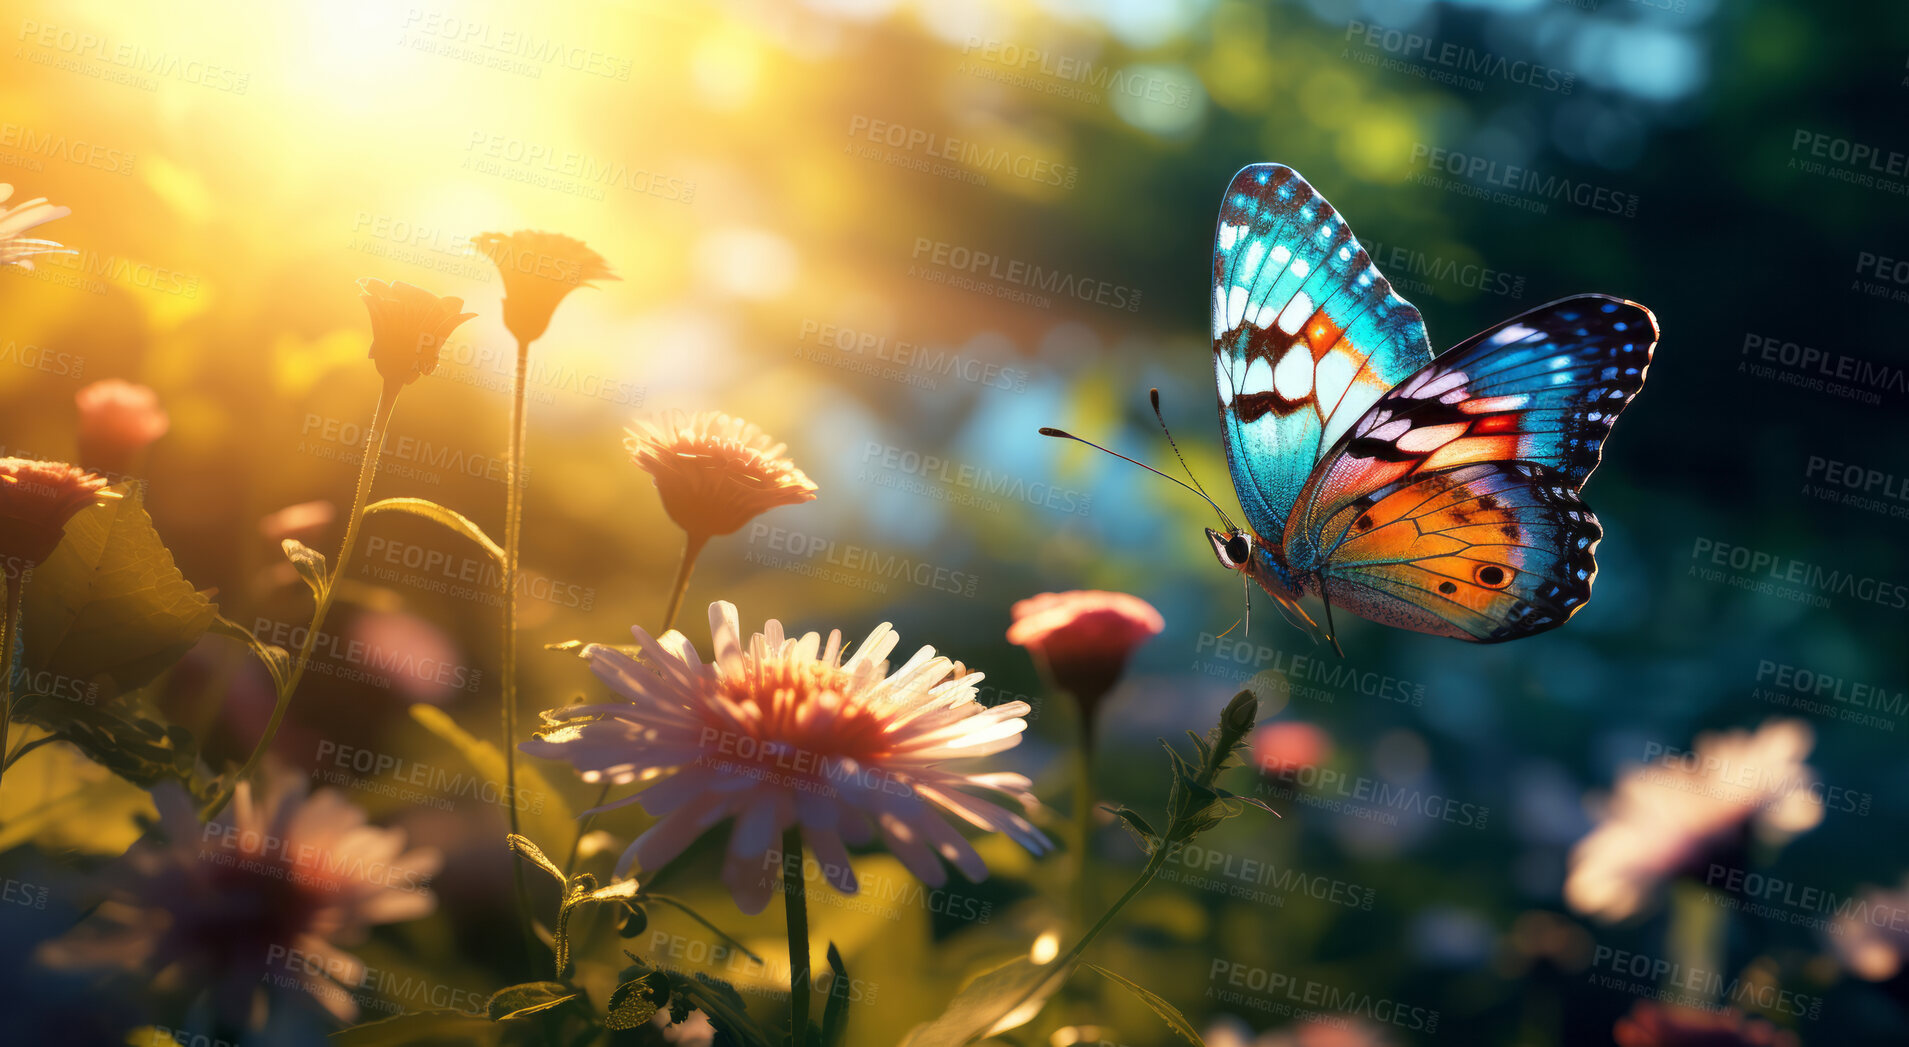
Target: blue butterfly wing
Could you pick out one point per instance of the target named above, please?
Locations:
(1451, 506)
(1306, 336)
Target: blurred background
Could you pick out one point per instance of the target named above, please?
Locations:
(825, 216)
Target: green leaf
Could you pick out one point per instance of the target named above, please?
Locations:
(1167, 1012)
(310, 565)
(436, 513)
(110, 601)
(636, 1001)
(835, 1014)
(545, 815)
(618, 891)
(988, 1006)
(416, 1028)
(534, 854)
(522, 1001)
(1138, 827)
(278, 661)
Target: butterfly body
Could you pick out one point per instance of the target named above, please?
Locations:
(1437, 495)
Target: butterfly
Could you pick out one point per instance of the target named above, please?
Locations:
(1439, 494)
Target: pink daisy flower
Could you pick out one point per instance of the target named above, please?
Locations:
(783, 732)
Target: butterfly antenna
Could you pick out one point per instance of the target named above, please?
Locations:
(1065, 435)
(1154, 395)
(1332, 631)
(1246, 591)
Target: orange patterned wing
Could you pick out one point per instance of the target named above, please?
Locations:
(1487, 552)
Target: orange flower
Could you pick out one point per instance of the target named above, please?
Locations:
(409, 326)
(1651, 1024)
(539, 270)
(16, 249)
(36, 501)
(1084, 637)
(117, 420)
(715, 472)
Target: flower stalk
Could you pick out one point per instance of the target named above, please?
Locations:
(367, 476)
(9, 632)
(1194, 805)
(796, 908)
(513, 537)
(692, 547)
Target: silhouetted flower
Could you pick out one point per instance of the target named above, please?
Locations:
(263, 895)
(409, 327)
(715, 472)
(36, 501)
(539, 269)
(16, 249)
(118, 420)
(1282, 748)
(782, 732)
(1084, 637)
(1653, 1024)
(1667, 817)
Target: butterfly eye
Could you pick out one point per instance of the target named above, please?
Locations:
(1238, 549)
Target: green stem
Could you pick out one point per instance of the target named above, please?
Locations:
(16, 583)
(367, 475)
(513, 534)
(692, 546)
(1083, 815)
(583, 829)
(795, 901)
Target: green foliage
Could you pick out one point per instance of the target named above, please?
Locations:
(521, 1001)
(1167, 1012)
(438, 514)
(636, 1001)
(545, 815)
(310, 565)
(277, 660)
(835, 1014)
(995, 1001)
(418, 1027)
(110, 611)
(110, 603)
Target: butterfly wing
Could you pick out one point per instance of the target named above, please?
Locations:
(1306, 335)
(1451, 505)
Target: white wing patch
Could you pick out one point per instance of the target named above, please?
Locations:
(1293, 378)
(1296, 313)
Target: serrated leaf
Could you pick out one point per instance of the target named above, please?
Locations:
(533, 854)
(1167, 1012)
(835, 1013)
(110, 601)
(987, 1005)
(310, 565)
(636, 1001)
(277, 660)
(418, 1027)
(522, 1001)
(441, 515)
